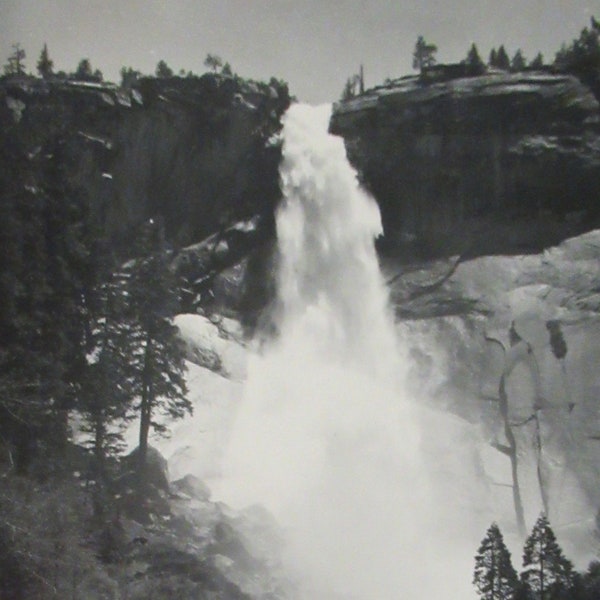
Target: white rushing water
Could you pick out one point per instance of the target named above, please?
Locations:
(326, 436)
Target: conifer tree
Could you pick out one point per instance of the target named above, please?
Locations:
(493, 59)
(591, 582)
(46, 262)
(474, 61)
(129, 77)
(15, 65)
(214, 62)
(350, 87)
(494, 576)
(423, 54)
(502, 60)
(537, 62)
(518, 61)
(582, 56)
(84, 70)
(159, 361)
(107, 390)
(547, 574)
(163, 71)
(583, 53)
(45, 64)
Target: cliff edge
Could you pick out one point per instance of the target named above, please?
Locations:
(497, 163)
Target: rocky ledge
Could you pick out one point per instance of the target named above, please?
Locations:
(498, 163)
(193, 152)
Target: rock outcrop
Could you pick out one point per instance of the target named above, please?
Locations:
(500, 163)
(191, 151)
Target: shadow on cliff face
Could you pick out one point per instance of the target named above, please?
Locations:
(194, 152)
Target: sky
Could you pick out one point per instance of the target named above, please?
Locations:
(313, 44)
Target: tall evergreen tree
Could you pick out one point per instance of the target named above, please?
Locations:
(46, 262)
(493, 59)
(583, 53)
(494, 576)
(547, 574)
(214, 62)
(84, 72)
(591, 582)
(45, 64)
(15, 65)
(502, 60)
(582, 56)
(474, 61)
(537, 62)
(350, 87)
(163, 71)
(159, 359)
(518, 62)
(129, 77)
(106, 393)
(423, 54)
(107, 390)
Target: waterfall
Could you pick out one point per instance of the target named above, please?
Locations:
(327, 437)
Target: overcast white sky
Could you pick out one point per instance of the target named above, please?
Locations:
(313, 44)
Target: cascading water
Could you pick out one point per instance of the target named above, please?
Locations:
(325, 437)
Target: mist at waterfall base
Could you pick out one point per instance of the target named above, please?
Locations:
(362, 480)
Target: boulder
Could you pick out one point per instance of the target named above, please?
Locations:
(157, 468)
(144, 503)
(192, 487)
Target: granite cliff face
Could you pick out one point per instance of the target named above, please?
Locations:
(500, 163)
(193, 152)
(505, 165)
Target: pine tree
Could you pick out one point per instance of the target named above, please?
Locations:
(163, 71)
(214, 62)
(518, 61)
(46, 261)
(547, 574)
(493, 59)
(584, 52)
(159, 360)
(84, 69)
(15, 65)
(494, 576)
(350, 87)
(473, 61)
(45, 64)
(591, 581)
(423, 54)
(129, 77)
(107, 392)
(537, 62)
(502, 60)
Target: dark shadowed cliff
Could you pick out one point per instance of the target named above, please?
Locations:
(193, 152)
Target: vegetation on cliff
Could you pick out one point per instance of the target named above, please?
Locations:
(476, 148)
(546, 575)
(581, 57)
(88, 299)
